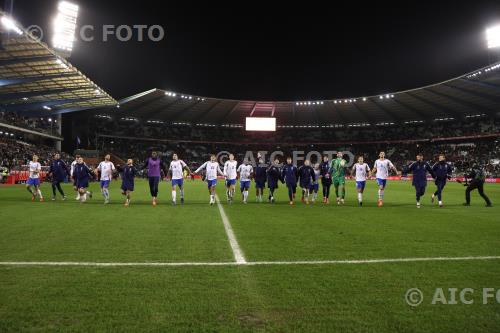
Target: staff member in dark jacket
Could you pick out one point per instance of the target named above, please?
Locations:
(289, 175)
(260, 176)
(326, 178)
(442, 171)
(273, 177)
(58, 171)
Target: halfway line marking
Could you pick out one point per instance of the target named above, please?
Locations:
(250, 263)
(237, 252)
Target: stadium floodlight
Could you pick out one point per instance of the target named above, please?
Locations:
(65, 26)
(267, 124)
(493, 36)
(9, 24)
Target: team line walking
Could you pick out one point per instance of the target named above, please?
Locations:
(307, 177)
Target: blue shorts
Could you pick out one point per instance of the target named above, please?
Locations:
(105, 183)
(244, 184)
(82, 183)
(230, 182)
(211, 183)
(314, 187)
(381, 182)
(260, 184)
(360, 185)
(127, 187)
(178, 182)
(33, 181)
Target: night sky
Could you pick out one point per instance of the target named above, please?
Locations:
(290, 52)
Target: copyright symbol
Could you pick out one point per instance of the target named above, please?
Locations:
(414, 297)
(222, 156)
(35, 31)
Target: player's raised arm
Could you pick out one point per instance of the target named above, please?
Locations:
(391, 166)
(202, 167)
(429, 169)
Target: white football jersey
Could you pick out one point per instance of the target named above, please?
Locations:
(245, 171)
(106, 169)
(35, 168)
(361, 172)
(383, 167)
(176, 167)
(230, 169)
(212, 168)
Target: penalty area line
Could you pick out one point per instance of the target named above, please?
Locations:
(246, 263)
(235, 247)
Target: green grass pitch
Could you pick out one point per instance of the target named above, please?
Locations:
(335, 297)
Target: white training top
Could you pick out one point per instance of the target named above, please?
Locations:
(176, 168)
(245, 171)
(383, 167)
(212, 168)
(106, 169)
(361, 172)
(230, 169)
(317, 174)
(73, 164)
(35, 168)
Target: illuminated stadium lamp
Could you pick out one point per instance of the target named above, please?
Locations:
(364, 99)
(493, 36)
(9, 24)
(47, 107)
(65, 26)
(261, 124)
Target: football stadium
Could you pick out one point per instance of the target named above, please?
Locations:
(190, 172)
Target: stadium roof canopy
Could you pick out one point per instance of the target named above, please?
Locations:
(471, 95)
(36, 81)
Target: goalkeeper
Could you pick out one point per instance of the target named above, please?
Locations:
(337, 170)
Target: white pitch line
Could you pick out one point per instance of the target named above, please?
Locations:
(247, 263)
(237, 252)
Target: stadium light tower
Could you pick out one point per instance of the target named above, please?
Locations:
(493, 36)
(65, 27)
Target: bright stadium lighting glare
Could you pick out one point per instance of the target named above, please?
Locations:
(65, 26)
(493, 36)
(9, 24)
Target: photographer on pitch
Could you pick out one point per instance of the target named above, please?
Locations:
(477, 179)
